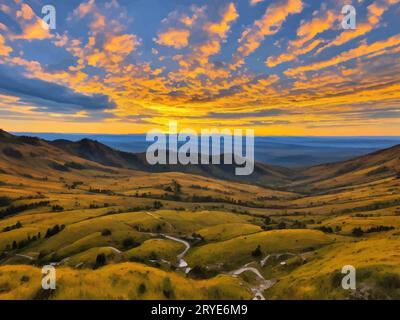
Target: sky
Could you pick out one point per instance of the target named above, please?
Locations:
(283, 67)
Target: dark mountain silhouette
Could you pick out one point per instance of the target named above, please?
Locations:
(64, 154)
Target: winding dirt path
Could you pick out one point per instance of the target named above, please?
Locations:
(263, 262)
(24, 256)
(181, 263)
(264, 283)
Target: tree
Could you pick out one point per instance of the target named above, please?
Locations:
(101, 260)
(177, 188)
(357, 232)
(157, 205)
(129, 243)
(167, 288)
(282, 225)
(257, 252)
(142, 288)
(106, 232)
(57, 208)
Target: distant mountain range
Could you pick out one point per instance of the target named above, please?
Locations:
(278, 151)
(24, 155)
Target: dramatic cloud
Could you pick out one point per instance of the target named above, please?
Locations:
(14, 84)
(305, 41)
(363, 50)
(282, 67)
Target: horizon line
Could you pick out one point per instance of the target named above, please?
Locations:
(272, 135)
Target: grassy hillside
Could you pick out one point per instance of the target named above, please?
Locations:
(112, 231)
(122, 281)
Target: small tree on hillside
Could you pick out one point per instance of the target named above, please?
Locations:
(357, 232)
(101, 260)
(257, 252)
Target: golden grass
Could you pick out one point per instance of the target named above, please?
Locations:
(238, 250)
(227, 231)
(119, 281)
(313, 280)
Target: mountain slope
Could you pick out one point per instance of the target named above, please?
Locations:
(34, 157)
(95, 151)
(379, 165)
(65, 155)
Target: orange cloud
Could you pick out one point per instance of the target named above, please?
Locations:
(4, 49)
(115, 49)
(123, 44)
(177, 38)
(229, 15)
(269, 24)
(33, 27)
(84, 8)
(197, 62)
(26, 12)
(37, 30)
(305, 33)
(363, 50)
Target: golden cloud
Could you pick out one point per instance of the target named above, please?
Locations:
(4, 49)
(269, 24)
(177, 38)
(363, 50)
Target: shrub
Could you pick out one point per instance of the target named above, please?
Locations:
(157, 205)
(129, 243)
(17, 209)
(336, 279)
(177, 188)
(13, 227)
(357, 232)
(57, 208)
(200, 272)
(106, 232)
(142, 288)
(167, 288)
(325, 229)
(5, 201)
(282, 225)
(54, 230)
(100, 260)
(257, 252)
(390, 281)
